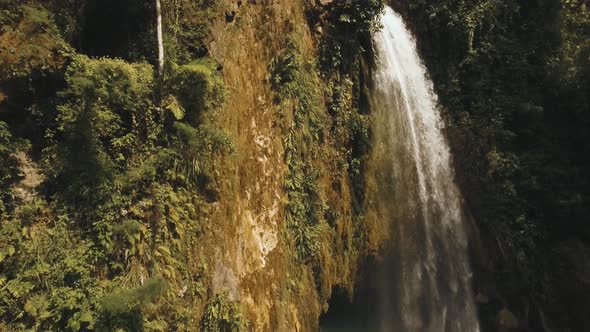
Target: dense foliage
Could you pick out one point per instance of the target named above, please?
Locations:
(326, 144)
(344, 127)
(127, 164)
(350, 24)
(513, 79)
(108, 169)
(116, 166)
(8, 167)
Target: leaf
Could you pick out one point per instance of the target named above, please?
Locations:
(86, 317)
(165, 250)
(171, 104)
(30, 308)
(45, 315)
(75, 325)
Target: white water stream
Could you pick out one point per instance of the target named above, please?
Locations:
(159, 37)
(426, 283)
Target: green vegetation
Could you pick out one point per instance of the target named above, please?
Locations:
(48, 279)
(30, 41)
(187, 24)
(295, 81)
(325, 145)
(118, 235)
(349, 28)
(319, 125)
(122, 309)
(223, 315)
(197, 87)
(107, 242)
(8, 167)
(513, 77)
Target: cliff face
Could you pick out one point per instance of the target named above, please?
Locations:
(252, 254)
(256, 251)
(226, 191)
(240, 182)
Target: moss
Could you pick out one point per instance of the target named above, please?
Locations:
(325, 149)
(295, 82)
(30, 41)
(135, 161)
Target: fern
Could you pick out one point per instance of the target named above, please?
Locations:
(173, 106)
(223, 315)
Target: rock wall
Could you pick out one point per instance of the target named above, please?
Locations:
(254, 256)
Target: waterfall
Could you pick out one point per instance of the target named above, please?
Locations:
(426, 281)
(159, 37)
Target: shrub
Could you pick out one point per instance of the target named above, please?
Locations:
(122, 309)
(47, 280)
(30, 40)
(350, 25)
(223, 315)
(105, 118)
(8, 167)
(198, 89)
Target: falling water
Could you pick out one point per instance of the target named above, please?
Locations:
(159, 37)
(426, 282)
